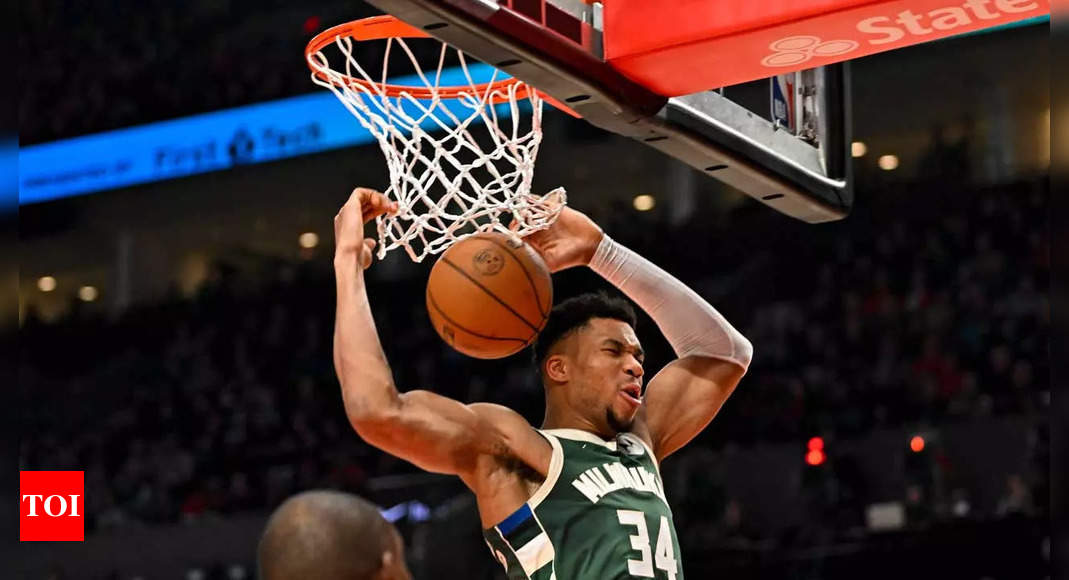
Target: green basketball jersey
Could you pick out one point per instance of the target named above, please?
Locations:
(601, 514)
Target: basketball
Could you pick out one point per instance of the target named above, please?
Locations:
(489, 296)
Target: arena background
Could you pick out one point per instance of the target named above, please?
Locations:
(194, 384)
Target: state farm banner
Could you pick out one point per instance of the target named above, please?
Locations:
(686, 46)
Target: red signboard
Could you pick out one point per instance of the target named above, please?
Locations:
(686, 46)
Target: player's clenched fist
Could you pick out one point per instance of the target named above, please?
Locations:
(570, 241)
(363, 206)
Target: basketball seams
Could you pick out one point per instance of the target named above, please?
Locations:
(502, 306)
(489, 293)
(530, 280)
(438, 309)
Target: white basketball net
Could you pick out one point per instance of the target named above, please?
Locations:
(457, 166)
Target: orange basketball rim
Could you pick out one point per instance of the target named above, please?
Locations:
(388, 27)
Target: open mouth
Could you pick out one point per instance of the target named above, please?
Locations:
(633, 393)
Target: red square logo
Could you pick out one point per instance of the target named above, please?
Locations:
(51, 506)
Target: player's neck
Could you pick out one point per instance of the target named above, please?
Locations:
(558, 418)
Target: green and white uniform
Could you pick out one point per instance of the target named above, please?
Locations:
(601, 514)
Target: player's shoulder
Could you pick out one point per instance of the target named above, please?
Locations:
(521, 437)
(500, 415)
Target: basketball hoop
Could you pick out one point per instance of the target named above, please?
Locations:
(450, 178)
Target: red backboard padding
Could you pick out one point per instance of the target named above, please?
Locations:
(680, 47)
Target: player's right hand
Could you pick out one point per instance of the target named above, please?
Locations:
(363, 206)
(570, 241)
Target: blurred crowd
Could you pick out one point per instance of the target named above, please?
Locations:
(906, 318)
(94, 72)
(228, 401)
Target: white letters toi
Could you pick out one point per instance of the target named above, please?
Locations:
(54, 505)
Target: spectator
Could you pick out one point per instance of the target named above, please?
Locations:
(1016, 499)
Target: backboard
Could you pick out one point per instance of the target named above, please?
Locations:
(648, 70)
(560, 46)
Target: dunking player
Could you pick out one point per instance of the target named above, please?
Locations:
(582, 496)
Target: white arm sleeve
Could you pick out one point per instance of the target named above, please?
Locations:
(690, 324)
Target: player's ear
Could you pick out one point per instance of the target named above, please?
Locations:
(386, 570)
(556, 368)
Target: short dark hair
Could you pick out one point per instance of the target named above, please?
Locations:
(324, 534)
(574, 313)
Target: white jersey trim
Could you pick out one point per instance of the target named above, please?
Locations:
(588, 437)
(580, 435)
(556, 464)
(535, 554)
(553, 553)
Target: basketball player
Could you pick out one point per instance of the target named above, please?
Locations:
(330, 535)
(582, 497)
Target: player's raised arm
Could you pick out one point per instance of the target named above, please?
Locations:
(712, 356)
(434, 432)
(366, 380)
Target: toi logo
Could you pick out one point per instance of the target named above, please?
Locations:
(798, 49)
(51, 506)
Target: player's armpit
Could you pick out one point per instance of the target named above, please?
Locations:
(684, 397)
(443, 435)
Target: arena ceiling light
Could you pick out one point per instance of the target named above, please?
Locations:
(888, 162)
(88, 293)
(308, 240)
(858, 149)
(46, 283)
(644, 202)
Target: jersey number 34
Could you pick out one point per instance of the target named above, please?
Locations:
(663, 557)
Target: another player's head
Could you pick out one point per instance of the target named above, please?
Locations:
(591, 361)
(329, 534)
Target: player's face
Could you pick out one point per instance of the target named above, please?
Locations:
(609, 365)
